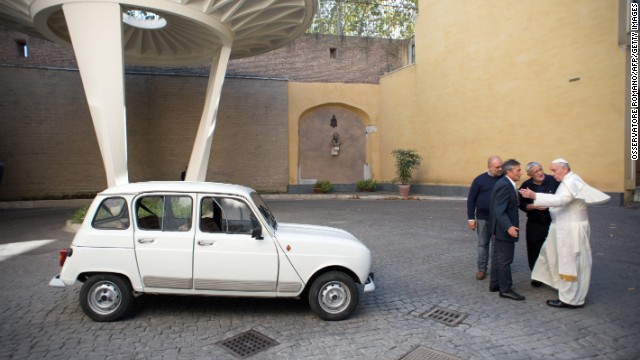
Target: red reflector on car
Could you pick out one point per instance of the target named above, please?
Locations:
(63, 256)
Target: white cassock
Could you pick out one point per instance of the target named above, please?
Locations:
(565, 258)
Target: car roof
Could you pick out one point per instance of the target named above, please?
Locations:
(177, 186)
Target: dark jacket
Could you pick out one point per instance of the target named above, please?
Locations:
(504, 210)
(549, 186)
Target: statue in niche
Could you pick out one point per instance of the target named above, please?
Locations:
(335, 144)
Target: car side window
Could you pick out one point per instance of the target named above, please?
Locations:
(224, 214)
(149, 211)
(178, 215)
(164, 212)
(210, 216)
(112, 214)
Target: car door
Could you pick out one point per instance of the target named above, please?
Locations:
(226, 256)
(163, 238)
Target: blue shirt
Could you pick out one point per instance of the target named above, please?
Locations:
(479, 198)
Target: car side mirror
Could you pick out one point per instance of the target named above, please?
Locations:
(256, 229)
(257, 234)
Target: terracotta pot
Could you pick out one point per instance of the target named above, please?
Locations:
(404, 189)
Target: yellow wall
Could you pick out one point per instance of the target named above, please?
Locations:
(360, 98)
(401, 123)
(493, 77)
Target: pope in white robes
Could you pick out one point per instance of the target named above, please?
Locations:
(565, 258)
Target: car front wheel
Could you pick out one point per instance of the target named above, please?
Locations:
(333, 296)
(106, 297)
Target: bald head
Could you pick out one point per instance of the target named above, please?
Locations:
(494, 165)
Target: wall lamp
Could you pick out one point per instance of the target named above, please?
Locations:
(334, 122)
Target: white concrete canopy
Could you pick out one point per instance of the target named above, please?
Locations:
(188, 32)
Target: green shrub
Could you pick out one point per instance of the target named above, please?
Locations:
(324, 186)
(367, 185)
(78, 216)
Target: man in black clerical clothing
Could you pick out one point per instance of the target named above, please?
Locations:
(538, 217)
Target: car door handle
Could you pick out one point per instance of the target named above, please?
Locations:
(205, 243)
(146, 240)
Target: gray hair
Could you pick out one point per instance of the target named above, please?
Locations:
(532, 164)
(509, 165)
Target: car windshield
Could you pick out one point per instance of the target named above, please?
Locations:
(264, 210)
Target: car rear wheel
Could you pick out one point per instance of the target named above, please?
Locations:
(333, 296)
(106, 297)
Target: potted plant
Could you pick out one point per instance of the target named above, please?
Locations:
(367, 185)
(322, 186)
(407, 160)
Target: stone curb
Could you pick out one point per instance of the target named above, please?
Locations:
(33, 204)
(355, 196)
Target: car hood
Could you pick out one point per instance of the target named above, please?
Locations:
(311, 248)
(313, 233)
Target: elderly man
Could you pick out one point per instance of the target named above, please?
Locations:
(538, 217)
(478, 203)
(565, 258)
(503, 223)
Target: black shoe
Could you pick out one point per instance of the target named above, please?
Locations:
(536, 283)
(494, 288)
(560, 304)
(511, 295)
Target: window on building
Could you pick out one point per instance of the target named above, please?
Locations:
(23, 48)
(412, 52)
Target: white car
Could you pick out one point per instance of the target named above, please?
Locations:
(197, 238)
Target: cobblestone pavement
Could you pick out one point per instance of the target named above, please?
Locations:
(424, 256)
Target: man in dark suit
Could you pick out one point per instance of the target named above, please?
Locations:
(503, 224)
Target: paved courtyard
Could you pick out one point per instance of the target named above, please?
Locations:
(423, 257)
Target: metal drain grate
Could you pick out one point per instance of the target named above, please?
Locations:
(247, 344)
(445, 316)
(426, 353)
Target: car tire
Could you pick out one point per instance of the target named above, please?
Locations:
(333, 296)
(106, 297)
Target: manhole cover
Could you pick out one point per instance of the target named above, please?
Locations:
(246, 344)
(445, 316)
(426, 353)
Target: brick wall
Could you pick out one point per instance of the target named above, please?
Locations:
(327, 58)
(49, 148)
(310, 58)
(48, 143)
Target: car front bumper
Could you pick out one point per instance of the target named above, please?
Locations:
(369, 286)
(57, 282)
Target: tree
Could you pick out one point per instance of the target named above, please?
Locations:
(370, 18)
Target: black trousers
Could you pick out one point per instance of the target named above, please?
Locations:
(501, 265)
(536, 235)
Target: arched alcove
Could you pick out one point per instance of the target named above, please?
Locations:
(337, 154)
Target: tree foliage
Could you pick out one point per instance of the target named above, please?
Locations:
(369, 18)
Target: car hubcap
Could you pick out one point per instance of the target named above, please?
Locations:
(334, 297)
(104, 297)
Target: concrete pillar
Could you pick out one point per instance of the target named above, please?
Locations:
(197, 169)
(97, 42)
